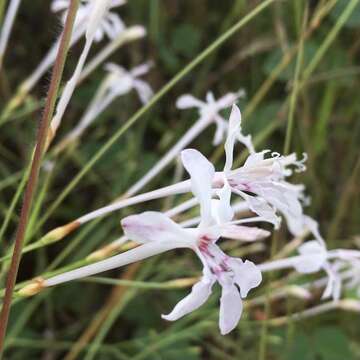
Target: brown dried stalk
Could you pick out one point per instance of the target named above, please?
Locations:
(35, 167)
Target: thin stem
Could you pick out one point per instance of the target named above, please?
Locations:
(35, 167)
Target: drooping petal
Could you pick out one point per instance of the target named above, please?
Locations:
(313, 226)
(144, 90)
(333, 287)
(243, 233)
(199, 294)
(201, 172)
(262, 208)
(152, 226)
(230, 309)
(188, 101)
(247, 275)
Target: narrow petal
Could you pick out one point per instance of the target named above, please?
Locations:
(144, 90)
(247, 275)
(230, 309)
(259, 206)
(152, 226)
(201, 172)
(188, 101)
(243, 233)
(227, 100)
(221, 208)
(141, 69)
(199, 294)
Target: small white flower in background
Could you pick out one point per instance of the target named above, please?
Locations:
(315, 258)
(123, 81)
(111, 24)
(211, 108)
(235, 276)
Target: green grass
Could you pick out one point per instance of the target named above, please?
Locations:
(301, 79)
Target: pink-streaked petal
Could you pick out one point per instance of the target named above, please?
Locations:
(152, 226)
(230, 309)
(188, 101)
(243, 233)
(201, 172)
(199, 294)
(247, 275)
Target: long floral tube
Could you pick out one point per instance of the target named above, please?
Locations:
(281, 264)
(132, 33)
(7, 26)
(179, 188)
(126, 258)
(153, 248)
(116, 245)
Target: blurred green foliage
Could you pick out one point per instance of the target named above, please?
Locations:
(327, 127)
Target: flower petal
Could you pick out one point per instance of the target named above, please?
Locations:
(247, 275)
(152, 226)
(201, 172)
(230, 309)
(243, 233)
(144, 90)
(199, 294)
(259, 206)
(188, 101)
(314, 260)
(227, 100)
(221, 208)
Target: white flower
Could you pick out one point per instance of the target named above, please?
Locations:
(314, 257)
(123, 81)
(235, 276)
(110, 25)
(261, 181)
(211, 108)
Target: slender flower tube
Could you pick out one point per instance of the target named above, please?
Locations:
(209, 113)
(7, 26)
(98, 10)
(158, 233)
(118, 82)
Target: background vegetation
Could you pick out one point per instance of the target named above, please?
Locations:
(94, 320)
